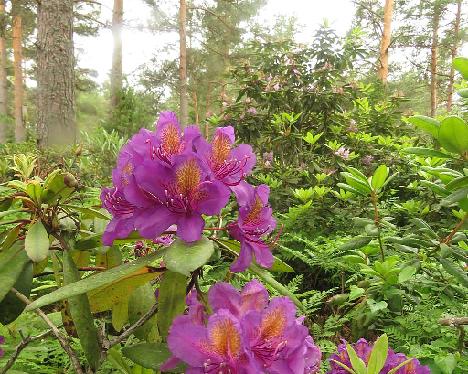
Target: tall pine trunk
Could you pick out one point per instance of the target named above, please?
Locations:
(3, 75)
(55, 73)
(183, 63)
(385, 42)
(20, 130)
(453, 52)
(116, 74)
(434, 55)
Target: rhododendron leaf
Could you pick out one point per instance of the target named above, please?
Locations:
(11, 307)
(421, 151)
(148, 355)
(428, 124)
(37, 242)
(395, 369)
(349, 370)
(141, 300)
(120, 314)
(81, 314)
(171, 299)
(95, 281)
(453, 133)
(378, 355)
(461, 65)
(105, 297)
(12, 262)
(379, 177)
(358, 365)
(185, 257)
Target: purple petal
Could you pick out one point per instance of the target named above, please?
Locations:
(166, 118)
(245, 152)
(186, 340)
(224, 296)
(262, 253)
(224, 334)
(227, 131)
(153, 221)
(216, 197)
(244, 193)
(189, 228)
(263, 192)
(254, 296)
(243, 261)
(117, 228)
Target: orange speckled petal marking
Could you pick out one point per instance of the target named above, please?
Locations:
(225, 338)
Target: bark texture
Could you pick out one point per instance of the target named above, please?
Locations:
(385, 42)
(55, 74)
(183, 62)
(20, 130)
(434, 55)
(3, 76)
(116, 74)
(453, 52)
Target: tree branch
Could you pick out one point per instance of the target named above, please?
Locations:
(454, 321)
(55, 331)
(24, 342)
(145, 318)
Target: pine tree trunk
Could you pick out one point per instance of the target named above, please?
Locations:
(116, 74)
(434, 56)
(55, 73)
(20, 131)
(183, 63)
(3, 76)
(385, 42)
(454, 49)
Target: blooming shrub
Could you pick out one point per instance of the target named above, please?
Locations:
(245, 333)
(173, 177)
(395, 363)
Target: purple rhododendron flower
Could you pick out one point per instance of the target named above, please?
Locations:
(255, 220)
(363, 349)
(2, 341)
(343, 152)
(180, 195)
(246, 333)
(230, 165)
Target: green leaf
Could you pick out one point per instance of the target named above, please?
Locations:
(457, 183)
(358, 365)
(395, 369)
(461, 65)
(455, 271)
(347, 187)
(455, 197)
(91, 212)
(279, 266)
(185, 257)
(11, 307)
(89, 242)
(148, 355)
(378, 355)
(406, 273)
(355, 243)
(171, 300)
(80, 312)
(120, 314)
(463, 93)
(37, 242)
(12, 262)
(453, 135)
(429, 152)
(427, 124)
(356, 292)
(95, 281)
(141, 301)
(379, 177)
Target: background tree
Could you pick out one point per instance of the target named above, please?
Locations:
(385, 42)
(3, 75)
(116, 74)
(55, 76)
(20, 130)
(183, 106)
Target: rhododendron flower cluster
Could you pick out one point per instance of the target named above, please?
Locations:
(172, 177)
(363, 350)
(245, 333)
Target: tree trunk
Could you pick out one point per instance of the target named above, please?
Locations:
(3, 76)
(454, 49)
(385, 42)
(183, 63)
(116, 74)
(55, 73)
(20, 130)
(434, 55)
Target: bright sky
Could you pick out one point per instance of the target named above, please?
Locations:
(140, 45)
